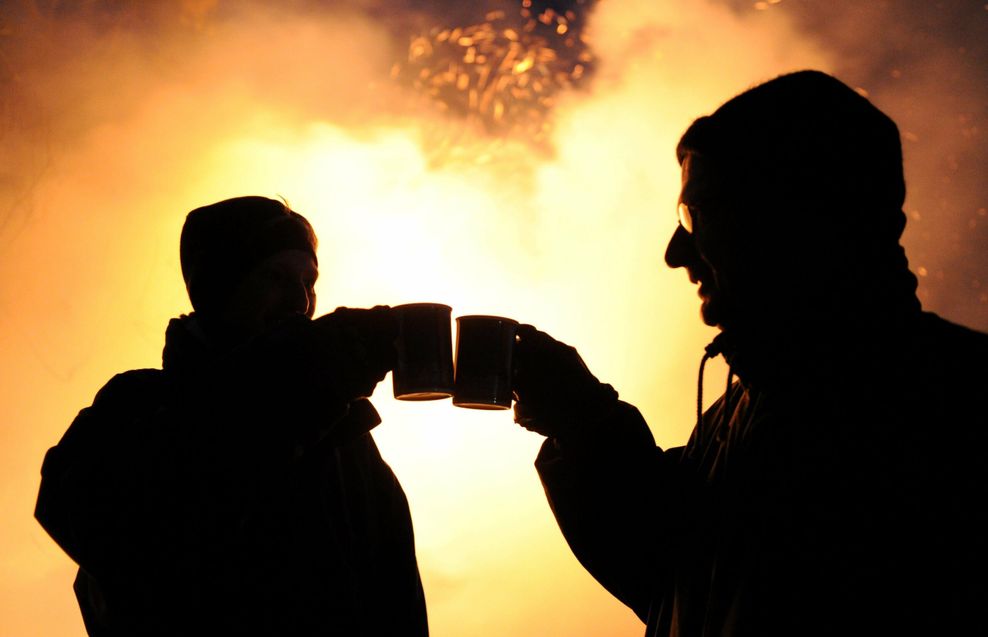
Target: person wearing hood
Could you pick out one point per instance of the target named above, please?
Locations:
(237, 490)
(839, 486)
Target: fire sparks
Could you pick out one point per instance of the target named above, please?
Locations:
(505, 73)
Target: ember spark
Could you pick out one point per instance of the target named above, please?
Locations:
(506, 72)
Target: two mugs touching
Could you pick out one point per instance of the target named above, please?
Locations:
(481, 377)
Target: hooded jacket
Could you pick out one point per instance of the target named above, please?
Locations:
(233, 494)
(846, 496)
(840, 486)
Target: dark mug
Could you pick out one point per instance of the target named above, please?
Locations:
(484, 352)
(424, 366)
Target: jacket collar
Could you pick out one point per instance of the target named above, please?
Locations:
(839, 346)
(186, 345)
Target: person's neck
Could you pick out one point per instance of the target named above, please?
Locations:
(780, 349)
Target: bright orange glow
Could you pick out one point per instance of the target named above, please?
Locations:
(570, 242)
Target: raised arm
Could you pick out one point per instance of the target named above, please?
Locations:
(610, 488)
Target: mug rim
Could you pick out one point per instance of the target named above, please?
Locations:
(442, 306)
(489, 317)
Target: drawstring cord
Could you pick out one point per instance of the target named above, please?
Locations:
(726, 411)
(714, 349)
(699, 394)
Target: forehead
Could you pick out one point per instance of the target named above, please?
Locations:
(292, 260)
(702, 179)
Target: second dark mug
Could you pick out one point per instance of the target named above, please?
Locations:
(424, 367)
(484, 353)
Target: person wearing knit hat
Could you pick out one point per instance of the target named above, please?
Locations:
(238, 490)
(838, 486)
(223, 241)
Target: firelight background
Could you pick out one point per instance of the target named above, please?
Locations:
(118, 117)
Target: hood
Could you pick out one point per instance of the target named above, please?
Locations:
(186, 346)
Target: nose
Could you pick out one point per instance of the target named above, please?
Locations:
(681, 251)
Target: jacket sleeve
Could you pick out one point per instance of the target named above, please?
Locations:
(606, 497)
(294, 386)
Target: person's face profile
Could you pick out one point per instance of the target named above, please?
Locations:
(701, 243)
(278, 288)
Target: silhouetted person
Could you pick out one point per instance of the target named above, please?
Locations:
(838, 487)
(237, 490)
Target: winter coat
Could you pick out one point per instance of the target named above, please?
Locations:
(848, 496)
(233, 494)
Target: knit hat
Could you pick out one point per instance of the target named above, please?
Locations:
(807, 142)
(223, 241)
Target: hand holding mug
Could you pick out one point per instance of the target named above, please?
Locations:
(362, 341)
(557, 394)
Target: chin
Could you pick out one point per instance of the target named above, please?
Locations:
(710, 313)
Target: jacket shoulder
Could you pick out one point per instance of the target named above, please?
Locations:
(953, 365)
(130, 389)
(123, 397)
(957, 341)
(937, 322)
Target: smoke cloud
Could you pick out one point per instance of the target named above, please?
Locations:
(116, 118)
